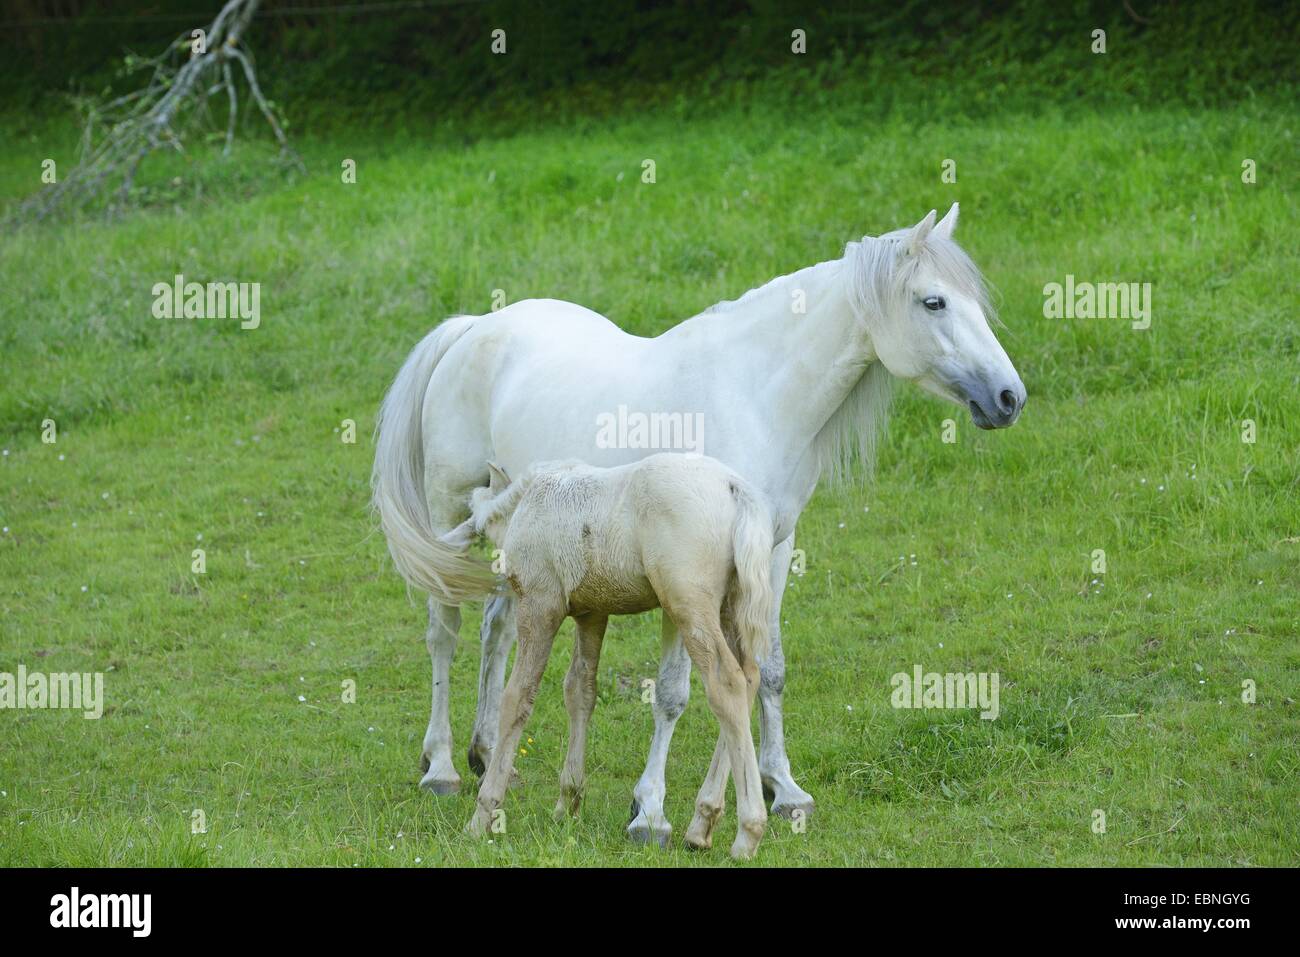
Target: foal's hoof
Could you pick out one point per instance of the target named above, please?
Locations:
(569, 804)
(478, 824)
(642, 830)
(699, 835)
(697, 839)
(436, 784)
(746, 844)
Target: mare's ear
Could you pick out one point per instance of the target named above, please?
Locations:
(498, 480)
(460, 537)
(943, 229)
(912, 244)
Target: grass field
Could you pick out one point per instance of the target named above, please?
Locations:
(1121, 691)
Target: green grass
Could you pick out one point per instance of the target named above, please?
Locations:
(1125, 698)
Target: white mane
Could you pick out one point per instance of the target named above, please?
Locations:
(876, 278)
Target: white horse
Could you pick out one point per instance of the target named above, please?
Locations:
(681, 532)
(791, 382)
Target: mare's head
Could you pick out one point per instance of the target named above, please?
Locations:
(928, 314)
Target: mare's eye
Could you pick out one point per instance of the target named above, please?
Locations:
(934, 303)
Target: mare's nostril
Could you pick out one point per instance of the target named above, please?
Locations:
(1007, 401)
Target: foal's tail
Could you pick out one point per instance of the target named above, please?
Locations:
(751, 599)
(397, 482)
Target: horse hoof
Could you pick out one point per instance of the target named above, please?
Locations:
(642, 832)
(696, 840)
(476, 763)
(746, 844)
(788, 798)
(789, 809)
(567, 806)
(436, 785)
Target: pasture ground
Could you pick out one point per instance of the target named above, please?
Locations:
(1121, 692)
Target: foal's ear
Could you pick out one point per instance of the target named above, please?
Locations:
(498, 481)
(460, 537)
(943, 229)
(918, 234)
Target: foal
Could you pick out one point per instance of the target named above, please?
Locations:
(680, 532)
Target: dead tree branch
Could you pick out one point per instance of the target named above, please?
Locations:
(119, 134)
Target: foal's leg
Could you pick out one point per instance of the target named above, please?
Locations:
(435, 759)
(579, 700)
(787, 797)
(672, 691)
(538, 622)
(497, 636)
(711, 801)
(729, 699)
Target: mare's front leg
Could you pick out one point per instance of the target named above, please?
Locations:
(539, 619)
(773, 764)
(672, 691)
(579, 701)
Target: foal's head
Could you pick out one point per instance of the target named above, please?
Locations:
(491, 507)
(927, 312)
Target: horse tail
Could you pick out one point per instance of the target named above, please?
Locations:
(751, 597)
(398, 493)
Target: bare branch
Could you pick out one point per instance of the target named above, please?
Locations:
(121, 133)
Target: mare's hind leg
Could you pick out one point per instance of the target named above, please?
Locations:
(672, 691)
(440, 775)
(539, 619)
(497, 636)
(579, 701)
